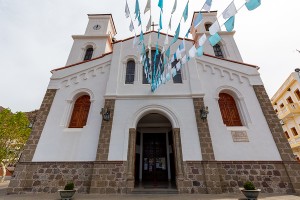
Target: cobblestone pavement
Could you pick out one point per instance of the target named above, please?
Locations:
(55, 196)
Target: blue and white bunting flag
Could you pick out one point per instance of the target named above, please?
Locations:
(161, 4)
(198, 20)
(192, 51)
(207, 5)
(214, 39)
(202, 40)
(252, 4)
(229, 11)
(186, 12)
(214, 28)
(131, 27)
(148, 6)
(174, 7)
(127, 12)
(229, 24)
(137, 9)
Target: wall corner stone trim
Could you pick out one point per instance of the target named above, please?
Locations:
(38, 126)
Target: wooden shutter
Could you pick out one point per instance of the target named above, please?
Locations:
(229, 111)
(80, 112)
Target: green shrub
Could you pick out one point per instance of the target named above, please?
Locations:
(69, 186)
(249, 186)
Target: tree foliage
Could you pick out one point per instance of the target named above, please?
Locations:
(14, 132)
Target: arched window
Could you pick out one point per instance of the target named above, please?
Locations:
(157, 67)
(229, 111)
(88, 53)
(80, 112)
(218, 51)
(130, 69)
(207, 25)
(177, 78)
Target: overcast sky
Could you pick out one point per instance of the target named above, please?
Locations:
(35, 37)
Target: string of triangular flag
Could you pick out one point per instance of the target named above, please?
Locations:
(159, 75)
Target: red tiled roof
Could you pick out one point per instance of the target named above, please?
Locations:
(233, 61)
(68, 66)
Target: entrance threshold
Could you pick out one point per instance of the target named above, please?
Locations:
(157, 188)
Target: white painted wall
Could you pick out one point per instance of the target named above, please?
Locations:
(60, 143)
(128, 111)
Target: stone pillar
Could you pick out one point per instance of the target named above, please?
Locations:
(283, 146)
(131, 159)
(178, 154)
(211, 173)
(105, 132)
(38, 126)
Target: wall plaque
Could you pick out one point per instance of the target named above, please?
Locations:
(239, 136)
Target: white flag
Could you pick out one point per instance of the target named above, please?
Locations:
(178, 54)
(178, 66)
(131, 27)
(148, 27)
(192, 51)
(127, 12)
(214, 28)
(202, 40)
(148, 6)
(174, 7)
(167, 40)
(170, 23)
(183, 60)
(169, 66)
(229, 11)
(207, 5)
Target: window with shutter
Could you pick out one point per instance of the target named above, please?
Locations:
(130, 71)
(80, 112)
(229, 111)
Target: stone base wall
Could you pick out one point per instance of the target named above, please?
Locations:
(49, 177)
(109, 177)
(269, 176)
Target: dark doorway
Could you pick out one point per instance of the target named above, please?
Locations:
(155, 166)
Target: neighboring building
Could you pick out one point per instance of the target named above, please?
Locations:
(286, 103)
(155, 140)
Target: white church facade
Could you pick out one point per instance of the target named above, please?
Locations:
(101, 127)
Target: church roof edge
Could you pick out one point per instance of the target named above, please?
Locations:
(68, 66)
(233, 61)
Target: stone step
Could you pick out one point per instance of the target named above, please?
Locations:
(154, 191)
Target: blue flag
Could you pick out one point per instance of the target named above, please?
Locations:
(161, 4)
(186, 12)
(187, 33)
(176, 34)
(198, 20)
(214, 39)
(229, 24)
(139, 19)
(160, 22)
(137, 9)
(141, 37)
(200, 51)
(252, 4)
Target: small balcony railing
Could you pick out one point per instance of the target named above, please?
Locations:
(288, 110)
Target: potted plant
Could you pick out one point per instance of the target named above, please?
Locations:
(250, 191)
(68, 192)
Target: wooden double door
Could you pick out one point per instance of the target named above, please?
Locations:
(154, 159)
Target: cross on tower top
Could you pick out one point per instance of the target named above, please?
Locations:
(153, 25)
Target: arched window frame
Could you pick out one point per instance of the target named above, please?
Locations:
(85, 47)
(130, 72)
(207, 25)
(80, 113)
(239, 101)
(218, 50)
(144, 80)
(66, 117)
(88, 53)
(233, 109)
